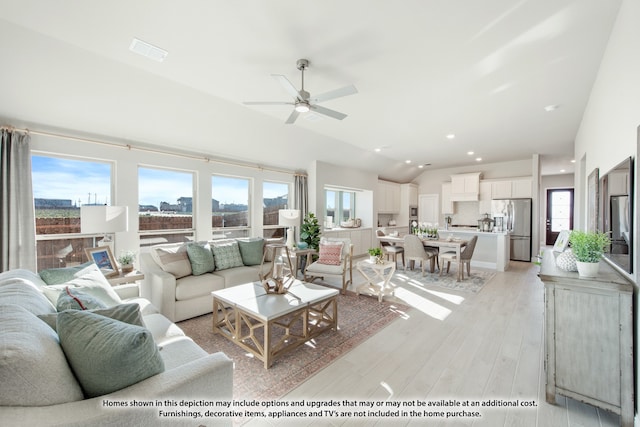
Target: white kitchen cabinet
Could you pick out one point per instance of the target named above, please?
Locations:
(484, 201)
(413, 194)
(361, 238)
(515, 188)
(388, 197)
(521, 188)
(447, 203)
(465, 186)
(428, 209)
(501, 189)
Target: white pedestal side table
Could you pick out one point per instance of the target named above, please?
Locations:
(377, 278)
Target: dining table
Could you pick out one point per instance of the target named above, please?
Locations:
(454, 243)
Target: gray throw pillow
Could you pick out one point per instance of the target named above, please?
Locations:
(74, 299)
(226, 255)
(201, 258)
(128, 313)
(107, 355)
(251, 251)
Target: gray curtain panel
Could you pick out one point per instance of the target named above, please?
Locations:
(17, 216)
(301, 198)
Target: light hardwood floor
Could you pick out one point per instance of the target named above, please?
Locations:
(454, 345)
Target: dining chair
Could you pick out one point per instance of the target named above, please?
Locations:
(465, 258)
(415, 251)
(390, 251)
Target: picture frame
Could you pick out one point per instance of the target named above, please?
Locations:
(104, 259)
(593, 202)
(562, 241)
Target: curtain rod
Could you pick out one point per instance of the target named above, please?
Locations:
(150, 150)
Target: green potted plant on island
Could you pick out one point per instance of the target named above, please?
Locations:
(588, 248)
(125, 259)
(375, 254)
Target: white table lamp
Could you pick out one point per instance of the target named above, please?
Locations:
(289, 218)
(104, 220)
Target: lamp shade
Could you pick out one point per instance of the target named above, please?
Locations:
(289, 217)
(104, 219)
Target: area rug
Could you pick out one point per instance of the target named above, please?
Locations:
(473, 284)
(359, 317)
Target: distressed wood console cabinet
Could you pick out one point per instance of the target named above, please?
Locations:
(589, 337)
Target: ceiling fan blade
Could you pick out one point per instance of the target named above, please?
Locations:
(337, 93)
(327, 112)
(268, 103)
(286, 84)
(292, 118)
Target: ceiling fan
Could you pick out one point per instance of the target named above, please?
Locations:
(303, 101)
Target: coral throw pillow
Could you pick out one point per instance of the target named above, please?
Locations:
(330, 253)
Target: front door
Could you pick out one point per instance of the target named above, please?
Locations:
(559, 213)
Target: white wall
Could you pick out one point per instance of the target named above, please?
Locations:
(609, 129)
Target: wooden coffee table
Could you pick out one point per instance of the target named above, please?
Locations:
(268, 325)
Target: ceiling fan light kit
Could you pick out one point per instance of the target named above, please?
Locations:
(303, 102)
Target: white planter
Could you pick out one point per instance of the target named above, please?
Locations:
(588, 269)
(372, 259)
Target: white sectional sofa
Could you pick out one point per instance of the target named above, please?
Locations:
(179, 277)
(49, 375)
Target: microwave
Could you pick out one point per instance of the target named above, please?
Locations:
(413, 212)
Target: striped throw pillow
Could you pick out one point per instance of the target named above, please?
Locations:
(330, 253)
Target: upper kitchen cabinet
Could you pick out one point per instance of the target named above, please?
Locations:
(512, 189)
(388, 197)
(484, 202)
(465, 187)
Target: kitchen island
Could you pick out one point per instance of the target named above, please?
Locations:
(492, 249)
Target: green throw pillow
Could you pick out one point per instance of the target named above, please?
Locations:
(107, 355)
(226, 255)
(74, 299)
(128, 313)
(201, 258)
(251, 251)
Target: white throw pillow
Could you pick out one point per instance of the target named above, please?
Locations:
(33, 368)
(92, 282)
(567, 261)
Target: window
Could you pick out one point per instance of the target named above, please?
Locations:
(340, 205)
(165, 206)
(60, 187)
(230, 206)
(275, 196)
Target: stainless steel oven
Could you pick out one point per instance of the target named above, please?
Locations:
(413, 212)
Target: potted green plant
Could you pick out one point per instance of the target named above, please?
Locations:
(588, 248)
(374, 254)
(310, 231)
(125, 259)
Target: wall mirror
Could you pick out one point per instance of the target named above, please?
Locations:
(616, 188)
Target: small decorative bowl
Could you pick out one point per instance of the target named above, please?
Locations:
(302, 245)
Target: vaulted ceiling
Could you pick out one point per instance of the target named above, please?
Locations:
(424, 69)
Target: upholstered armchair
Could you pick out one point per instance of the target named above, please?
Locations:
(414, 251)
(335, 260)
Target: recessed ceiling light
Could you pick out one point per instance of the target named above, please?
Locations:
(451, 136)
(573, 160)
(552, 107)
(407, 161)
(420, 166)
(147, 49)
(562, 170)
(377, 150)
(470, 153)
(478, 159)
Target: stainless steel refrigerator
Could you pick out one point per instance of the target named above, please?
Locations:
(516, 215)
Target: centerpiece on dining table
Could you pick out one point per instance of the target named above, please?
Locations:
(425, 230)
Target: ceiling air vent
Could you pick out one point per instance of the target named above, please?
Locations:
(150, 51)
